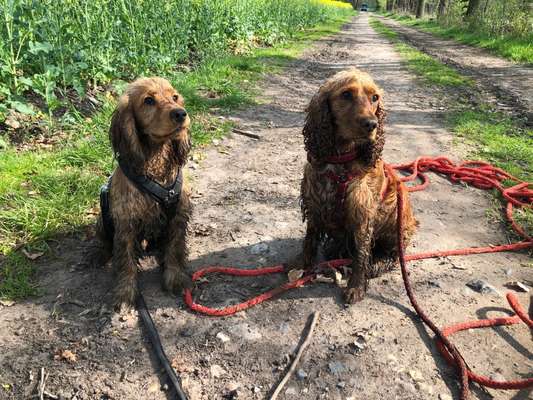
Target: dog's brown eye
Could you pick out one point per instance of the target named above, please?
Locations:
(149, 101)
(375, 98)
(175, 97)
(347, 95)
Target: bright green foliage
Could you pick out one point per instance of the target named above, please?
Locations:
(50, 44)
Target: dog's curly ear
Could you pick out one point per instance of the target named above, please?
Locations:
(124, 135)
(380, 136)
(318, 132)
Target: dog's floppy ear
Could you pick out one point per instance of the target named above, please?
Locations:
(377, 147)
(123, 134)
(318, 132)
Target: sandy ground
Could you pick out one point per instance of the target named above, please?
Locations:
(246, 193)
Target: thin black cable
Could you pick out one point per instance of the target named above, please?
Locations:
(156, 343)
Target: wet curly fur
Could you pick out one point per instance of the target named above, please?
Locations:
(149, 135)
(347, 115)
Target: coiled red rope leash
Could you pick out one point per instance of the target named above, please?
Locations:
(479, 174)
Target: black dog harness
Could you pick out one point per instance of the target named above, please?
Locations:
(167, 197)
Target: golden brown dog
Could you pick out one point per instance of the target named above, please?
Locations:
(348, 199)
(149, 135)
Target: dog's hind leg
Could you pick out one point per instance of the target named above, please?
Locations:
(98, 253)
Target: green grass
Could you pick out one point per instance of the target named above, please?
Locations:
(433, 71)
(45, 193)
(489, 135)
(511, 48)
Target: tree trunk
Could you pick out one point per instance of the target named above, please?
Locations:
(420, 9)
(441, 9)
(472, 8)
(390, 5)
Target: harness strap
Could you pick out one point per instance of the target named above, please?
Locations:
(105, 207)
(166, 196)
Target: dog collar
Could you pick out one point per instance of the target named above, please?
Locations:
(341, 158)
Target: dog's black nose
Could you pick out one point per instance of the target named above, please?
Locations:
(370, 124)
(178, 114)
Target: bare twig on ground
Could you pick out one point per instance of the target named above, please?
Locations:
(246, 133)
(299, 353)
(42, 383)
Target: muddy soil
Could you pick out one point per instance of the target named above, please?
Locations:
(507, 85)
(247, 214)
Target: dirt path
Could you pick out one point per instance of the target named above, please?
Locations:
(246, 194)
(509, 84)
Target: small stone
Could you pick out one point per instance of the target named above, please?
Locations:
(416, 375)
(481, 286)
(291, 391)
(217, 371)
(301, 374)
(434, 283)
(444, 396)
(246, 332)
(508, 271)
(518, 286)
(336, 367)
(496, 376)
(259, 248)
(232, 391)
(341, 385)
(424, 387)
(223, 337)
(256, 389)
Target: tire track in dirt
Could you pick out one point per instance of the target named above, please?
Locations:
(247, 214)
(508, 85)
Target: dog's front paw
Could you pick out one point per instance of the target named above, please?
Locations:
(353, 295)
(174, 279)
(125, 297)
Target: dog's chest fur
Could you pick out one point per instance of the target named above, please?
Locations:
(334, 211)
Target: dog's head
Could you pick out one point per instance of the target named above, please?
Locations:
(347, 113)
(149, 113)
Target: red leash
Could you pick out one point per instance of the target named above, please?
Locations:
(476, 173)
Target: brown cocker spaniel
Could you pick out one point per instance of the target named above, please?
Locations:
(348, 195)
(145, 199)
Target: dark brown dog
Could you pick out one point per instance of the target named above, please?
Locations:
(347, 199)
(150, 138)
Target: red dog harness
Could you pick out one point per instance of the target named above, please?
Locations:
(343, 180)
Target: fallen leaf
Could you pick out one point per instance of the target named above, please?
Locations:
(32, 256)
(7, 303)
(65, 355)
(6, 386)
(295, 274)
(180, 366)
